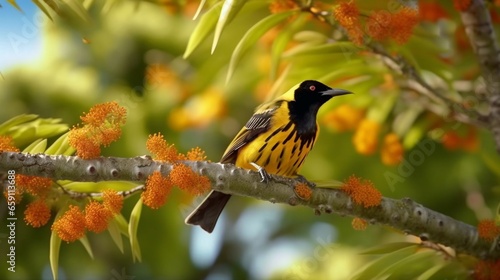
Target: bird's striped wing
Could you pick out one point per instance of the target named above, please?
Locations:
(257, 124)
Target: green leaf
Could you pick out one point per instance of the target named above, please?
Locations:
(414, 264)
(378, 266)
(310, 36)
(431, 271)
(382, 107)
(203, 28)
(200, 7)
(388, 248)
(135, 216)
(17, 120)
(99, 186)
(404, 121)
(55, 245)
(122, 224)
(42, 7)
(13, 3)
(85, 242)
(492, 161)
(79, 10)
(229, 10)
(38, 146)
(48, 130)
(252, 35)
(114, 232)
(60, 146)
(312, 48)
(284, 37)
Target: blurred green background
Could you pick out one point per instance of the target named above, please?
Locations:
(132, 53)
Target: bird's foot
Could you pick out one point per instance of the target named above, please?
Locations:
(265, 177)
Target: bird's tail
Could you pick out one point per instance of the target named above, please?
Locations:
(208, 212)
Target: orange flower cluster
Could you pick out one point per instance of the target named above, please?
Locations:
(392, 150)
(71, 225)
(486, 270)
(157, 190)
(468, 142)
(362, 193)
(7, 144)
(462, 5)
(279, 6)
(359, 224)
(33, 184)
(196, 154)
(431, 11)
(380, 25)
(344, 118)
(112, 201)
(488, 230)
(160, 148)
(37, 213)
(366, 137)
(347, 14)
(158, 187)
(303, 191)
(187, 180)
(97, 216)
(102, 126)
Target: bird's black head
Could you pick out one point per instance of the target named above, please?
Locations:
(308, 97)
(315, 94)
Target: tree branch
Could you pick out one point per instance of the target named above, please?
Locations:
(405, 214)
(479, 29)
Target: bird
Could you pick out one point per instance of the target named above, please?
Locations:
(276, 140)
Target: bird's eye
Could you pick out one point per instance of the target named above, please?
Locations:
(312, 88)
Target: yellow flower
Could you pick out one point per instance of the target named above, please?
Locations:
(366, 137)
(344, 118)
(392, 150)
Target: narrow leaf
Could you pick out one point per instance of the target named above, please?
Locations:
(229, 9)
(122, 224)
(44, 10)
(85, 242)
(13, 3)
(79, 9)
(36, 147)
(200, 7)
(431, 271)
(281, 41)
(114, 232)
(388, 248)
(379, 265)
(252, 35)
(312, 48)
(404, 121)
(59, 146)
(55, 245)
(5, 126)
(203, 28)
(135, 216)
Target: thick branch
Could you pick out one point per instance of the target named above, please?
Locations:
(405, 214)
(479, 29)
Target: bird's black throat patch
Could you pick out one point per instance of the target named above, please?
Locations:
(304, 118)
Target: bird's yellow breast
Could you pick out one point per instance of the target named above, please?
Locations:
(280, 150)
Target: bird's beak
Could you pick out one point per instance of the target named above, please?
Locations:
(335, 92)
